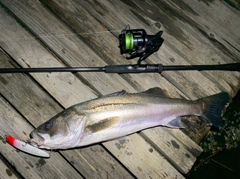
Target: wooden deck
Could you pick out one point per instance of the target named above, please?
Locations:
(60, 33)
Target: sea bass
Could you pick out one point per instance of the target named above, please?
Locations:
(119, 114)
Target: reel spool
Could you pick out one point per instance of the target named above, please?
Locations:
(137, 43)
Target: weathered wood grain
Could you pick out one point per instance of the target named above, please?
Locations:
(6, 172)
(220, 24)
(96, 35)
(38, 28)
(31, 92)
(64, 44)
(98, 16)
(70, 13)
(65, 104)
(153, 165)
(183, 43)
(177, 150)
(12, 123)
(37, 106)
(202, 46)
(70, 16)
(191, 84)
(101, 41)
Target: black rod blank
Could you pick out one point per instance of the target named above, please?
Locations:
(227, 67)
(54, 69)
(121, 69)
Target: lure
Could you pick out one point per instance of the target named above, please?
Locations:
(25, 147)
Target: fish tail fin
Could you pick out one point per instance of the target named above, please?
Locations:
(213, 107)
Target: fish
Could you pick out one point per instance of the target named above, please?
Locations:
(120, 114)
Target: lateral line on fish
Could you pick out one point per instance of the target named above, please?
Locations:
(107, 106)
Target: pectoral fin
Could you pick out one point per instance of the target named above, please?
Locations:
(175, 123)
(103, 124)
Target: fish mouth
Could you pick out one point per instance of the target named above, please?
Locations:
(36, 139)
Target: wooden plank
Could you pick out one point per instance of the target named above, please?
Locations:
(198, 85)
(76, 158)
(67, 46)
(177, 150)
(96, 35)
(6, 172)
(208, 49)
(154, 165)
(69, 15)
(73, 155)
(92, 20)
(24, 94)
(175, 49)
(221, 26)
(12, 123)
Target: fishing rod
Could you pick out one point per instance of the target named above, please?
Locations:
(137, 43)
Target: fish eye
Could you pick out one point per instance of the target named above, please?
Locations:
(48, 125)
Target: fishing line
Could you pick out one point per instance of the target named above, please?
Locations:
(51, 35)
(135, 43)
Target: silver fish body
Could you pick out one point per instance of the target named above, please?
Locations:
(120, 114)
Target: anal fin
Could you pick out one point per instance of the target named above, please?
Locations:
(175, 123)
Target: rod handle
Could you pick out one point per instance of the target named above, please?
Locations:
(146, 68)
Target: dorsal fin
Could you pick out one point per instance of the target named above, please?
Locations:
(118, 93)
(156, 91)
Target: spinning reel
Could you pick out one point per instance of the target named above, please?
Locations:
(137, 43)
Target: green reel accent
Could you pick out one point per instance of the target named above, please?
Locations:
(129, 41)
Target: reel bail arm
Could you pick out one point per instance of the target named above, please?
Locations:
(137, 43)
